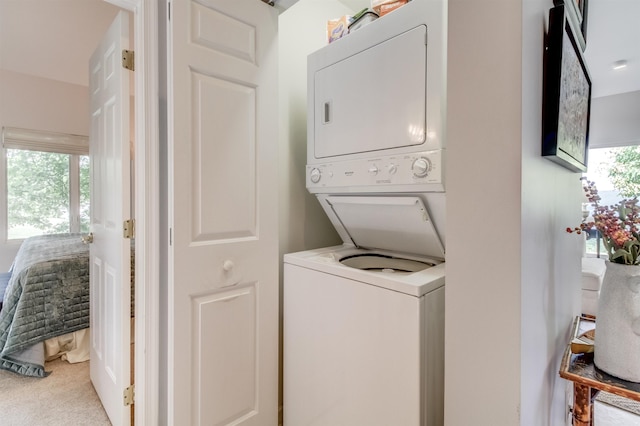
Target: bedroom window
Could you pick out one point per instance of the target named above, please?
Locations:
(47, 183)
(44, 196)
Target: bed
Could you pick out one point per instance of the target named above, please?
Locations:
(47, 295)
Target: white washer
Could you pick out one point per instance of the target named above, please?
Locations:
(366, 346)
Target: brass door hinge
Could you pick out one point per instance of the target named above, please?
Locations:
(128, 59)
(128, 228)
(129, 395)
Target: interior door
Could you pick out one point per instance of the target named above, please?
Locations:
(110, 275)
(223, 260)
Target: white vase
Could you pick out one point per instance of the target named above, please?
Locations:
(617, 338)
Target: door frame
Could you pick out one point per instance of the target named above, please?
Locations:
(147, 202)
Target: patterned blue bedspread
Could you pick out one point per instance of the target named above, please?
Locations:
(47, 295)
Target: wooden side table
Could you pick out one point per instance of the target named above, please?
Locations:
(588, 380)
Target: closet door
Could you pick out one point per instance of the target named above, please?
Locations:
(223, 260)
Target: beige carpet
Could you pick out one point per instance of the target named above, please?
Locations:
(65, 397)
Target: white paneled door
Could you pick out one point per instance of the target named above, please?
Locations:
(223, 260)
(110, 205)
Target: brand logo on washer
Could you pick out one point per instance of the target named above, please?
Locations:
(348, 173)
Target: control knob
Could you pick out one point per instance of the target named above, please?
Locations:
(421, 167)
(373, 170)
(315, 175)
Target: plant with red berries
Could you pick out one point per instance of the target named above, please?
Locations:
(618, 224)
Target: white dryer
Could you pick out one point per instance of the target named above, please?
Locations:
(364, 327)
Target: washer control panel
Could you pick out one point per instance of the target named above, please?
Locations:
(378, 173)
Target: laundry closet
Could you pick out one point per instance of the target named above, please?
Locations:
(364, 320)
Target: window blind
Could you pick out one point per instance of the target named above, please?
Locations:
(39, 140)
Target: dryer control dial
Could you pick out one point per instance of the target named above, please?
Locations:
(315, 175)
(373, 169)
(421, 167)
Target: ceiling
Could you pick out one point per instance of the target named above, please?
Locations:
(613, 34)
(52, 38)
(69, 30)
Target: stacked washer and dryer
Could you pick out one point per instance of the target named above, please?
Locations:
(364, 321)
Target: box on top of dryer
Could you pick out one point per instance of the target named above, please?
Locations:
(382, 7)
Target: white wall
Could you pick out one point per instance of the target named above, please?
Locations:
(512, 272)
(482, 321)
(53, 39)
(41, 104)
(615, 120)
(550, 201)
(302, 30)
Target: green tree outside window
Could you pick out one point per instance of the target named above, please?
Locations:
(38, 193)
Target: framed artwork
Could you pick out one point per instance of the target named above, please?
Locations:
(577, 11)
(566, 101)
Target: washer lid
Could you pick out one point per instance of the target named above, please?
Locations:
(395, 223)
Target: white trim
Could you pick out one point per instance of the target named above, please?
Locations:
(147, 192)
(74, 196)
(147, 210)
(4, 213)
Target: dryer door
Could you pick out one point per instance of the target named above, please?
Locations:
(372, 100)
(394, 223)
